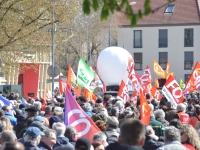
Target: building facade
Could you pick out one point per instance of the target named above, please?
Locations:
(171, 34)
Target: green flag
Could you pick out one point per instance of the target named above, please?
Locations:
(181, 84)
(85, 74)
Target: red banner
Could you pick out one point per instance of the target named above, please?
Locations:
(76, 117)
(123, 92)
(144, 110)
(193, 82)
(172, 91)
(145, 79)
(155, 93)
(63, 86)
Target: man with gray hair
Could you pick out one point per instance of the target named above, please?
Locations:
(61, 139)
(172, 139)
(48, 140)
(100, 138)
(71, 133)
(8, 136)
(182, 115)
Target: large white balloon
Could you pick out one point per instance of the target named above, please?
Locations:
(112, 65)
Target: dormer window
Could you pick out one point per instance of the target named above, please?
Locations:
(169, 9)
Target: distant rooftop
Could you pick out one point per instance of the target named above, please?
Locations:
(178, 12)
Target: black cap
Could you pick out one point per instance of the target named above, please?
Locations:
(31, 108)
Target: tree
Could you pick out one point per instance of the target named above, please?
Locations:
(68, 51)
(23, 28)
(108, 7)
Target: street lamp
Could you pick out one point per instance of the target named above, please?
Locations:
(52, 32)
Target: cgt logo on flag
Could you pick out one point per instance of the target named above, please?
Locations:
(75, 116)
(172, 91)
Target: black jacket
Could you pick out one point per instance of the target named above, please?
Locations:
(43, 146)
(117, 146)
(29, 146)
(151, 144)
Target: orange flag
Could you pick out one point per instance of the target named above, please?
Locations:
(144, 110)
(158, 70)
(89, 95)
(155, 93)
(71, 81)
(193, 82)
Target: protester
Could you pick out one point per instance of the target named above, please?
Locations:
(157, 126)
(6, 122)
(182, 115)
(83, 144)
(61, 139)
(48, 140)
(32, 138)
(99, 139)
(190, 138)
(111, 130)
(193, 120)
(8, 113)
(71, 134)
(170, 112)
(20, 123)
(151, 141)
(172, 139)
(12, 146)
(7, 136)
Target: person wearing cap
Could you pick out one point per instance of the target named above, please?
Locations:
(53, 120)
(111, 129)
(48, 140)
(170, 112)
(61, 139)
(38, 124)
(31, 111)
(8, 113)
(32, 138)
(20, 123)
(83, 144)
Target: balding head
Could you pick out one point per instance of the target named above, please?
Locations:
(8, 136)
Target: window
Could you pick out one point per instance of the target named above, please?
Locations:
(188, 63)
(137, 39)
(138, 61)
(186, 77)
(169, 9)
(162, 38)
(188, 38)
(163, 59)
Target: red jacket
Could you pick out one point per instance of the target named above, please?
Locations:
(184, 117)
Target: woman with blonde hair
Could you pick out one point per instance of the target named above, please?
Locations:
(190, 138)
(6, 122)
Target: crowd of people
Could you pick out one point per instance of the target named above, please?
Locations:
(39, 124)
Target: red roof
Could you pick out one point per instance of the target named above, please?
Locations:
(185, 12)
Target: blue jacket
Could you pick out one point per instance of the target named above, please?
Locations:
(13, 120)
(63, 141)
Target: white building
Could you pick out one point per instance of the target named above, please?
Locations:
(171, 34)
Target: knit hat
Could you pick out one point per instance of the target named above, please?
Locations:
(83, 144)
(54, 119)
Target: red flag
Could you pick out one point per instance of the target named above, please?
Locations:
(172, 91)
(144, 110)
(76, 117)
(145, 79)
(123, 92)
(71, 82)
(193, 82)
(48, 94)
(155, 93)
(63, 86)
